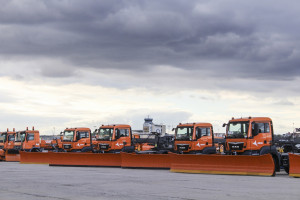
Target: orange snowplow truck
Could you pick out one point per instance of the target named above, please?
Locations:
(7, 140)
(28, 140)
(251, 136)
(114, 138)
(194, 138)
(76, 140)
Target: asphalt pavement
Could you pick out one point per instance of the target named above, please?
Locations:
(40, 182)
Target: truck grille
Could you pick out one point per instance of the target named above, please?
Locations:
(103, 146)
(67, 146)
(183, 147)
(233, 146)
(17, 147)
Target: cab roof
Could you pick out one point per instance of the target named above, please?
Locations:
(78, 129)
(250, 119)
(204, 124)
(116, 125)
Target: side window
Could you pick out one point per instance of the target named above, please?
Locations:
(267, 128)
(261, 128)
(202, 132)
(30, 136)
(207, 131)
(83, 135)
(124, 132)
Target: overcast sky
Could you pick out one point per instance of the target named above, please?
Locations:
(86, 63)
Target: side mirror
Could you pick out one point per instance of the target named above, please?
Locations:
(224, 124)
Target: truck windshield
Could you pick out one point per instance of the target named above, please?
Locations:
(20, 137)
(184, 133)
(105, 134)
(68, 135)
(3, 137)
(11, 138)
(237, 130)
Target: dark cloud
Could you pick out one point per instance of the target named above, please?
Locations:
(255, 41)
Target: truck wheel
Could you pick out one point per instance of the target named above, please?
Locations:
(86, 149)
(128, 149)
(35, 150)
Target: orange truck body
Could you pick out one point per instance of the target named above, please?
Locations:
(194, 138)
(27, 140)
(251, 136)
(75, 139)
(113, 138)
(242, 139)
(7, 140)
(50, 144)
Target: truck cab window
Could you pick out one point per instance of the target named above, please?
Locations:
(124, 132)
(82, 134)
(200, 132)
(30, 136)
(262, 128)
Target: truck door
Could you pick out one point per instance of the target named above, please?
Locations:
(29, 141)
(122, 136)
(261, 135)
(203, 138)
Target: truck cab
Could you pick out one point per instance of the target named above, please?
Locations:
(114, 138)
(7, 142)
(76, 139)
(27, 140)
(249, 135)
(194, 138)
(252, 136)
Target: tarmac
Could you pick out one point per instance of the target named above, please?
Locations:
(41, 182)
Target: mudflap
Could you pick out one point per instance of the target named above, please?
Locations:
(294, 162)
(34, 157)
(85, 159)
(223, 164)
(12, 156)
(134, 160)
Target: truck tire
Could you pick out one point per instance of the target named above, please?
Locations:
(35, 150)
(86, 149)
(128, 149)
(209, 150)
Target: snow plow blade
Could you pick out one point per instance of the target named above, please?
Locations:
(12, 157)
(85, 159)
(34, 157)
(158, 161)
(294, 160)
(223, 164)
